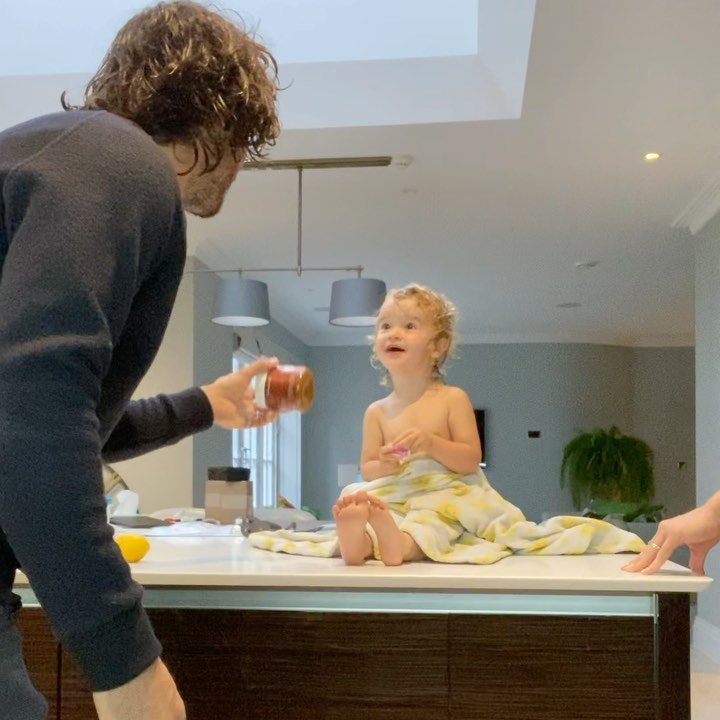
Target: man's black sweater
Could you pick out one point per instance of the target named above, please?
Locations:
(92, 246)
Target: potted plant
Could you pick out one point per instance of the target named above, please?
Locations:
(611, 474)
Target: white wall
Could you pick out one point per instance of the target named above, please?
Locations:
(164, 478)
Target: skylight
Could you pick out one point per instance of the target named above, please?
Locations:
(71, 36)
(343, 63)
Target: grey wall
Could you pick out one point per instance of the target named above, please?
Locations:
(707, 393)
(345, 385)
(664, 416)
(557, 389)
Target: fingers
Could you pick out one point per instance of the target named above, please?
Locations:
(698, 553)
(653, 557)
(259, 366)
(662, 555)
(404, 439)
(641, 561)
(263, 416)
(393, 454)
(697, 560)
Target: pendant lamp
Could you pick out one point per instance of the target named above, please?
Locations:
(241, 302)
(355, 302)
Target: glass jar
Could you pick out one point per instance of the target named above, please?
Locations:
(285, 388)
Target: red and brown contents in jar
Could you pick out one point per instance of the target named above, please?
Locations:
(285, 388)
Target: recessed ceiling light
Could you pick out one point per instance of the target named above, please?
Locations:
(652, 156)
(566, 305)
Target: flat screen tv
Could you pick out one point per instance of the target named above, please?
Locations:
(480, 420)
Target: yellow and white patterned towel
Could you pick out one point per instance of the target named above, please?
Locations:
(460, 519)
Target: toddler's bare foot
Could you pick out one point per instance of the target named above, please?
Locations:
(351, 516)
(389, 535)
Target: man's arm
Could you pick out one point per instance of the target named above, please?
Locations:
(228, 401)
(156, 422)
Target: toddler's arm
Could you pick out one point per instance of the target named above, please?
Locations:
(376, 459)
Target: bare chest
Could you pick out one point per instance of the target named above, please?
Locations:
(428, 415)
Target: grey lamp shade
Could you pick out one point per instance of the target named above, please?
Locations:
(241, 303)
(354, 302)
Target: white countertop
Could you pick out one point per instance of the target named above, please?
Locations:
(228, 562)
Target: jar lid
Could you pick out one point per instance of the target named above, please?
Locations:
(228, 474)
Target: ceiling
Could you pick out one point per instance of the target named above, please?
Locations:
(518, 172)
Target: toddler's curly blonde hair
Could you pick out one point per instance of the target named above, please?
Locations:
(444, 315)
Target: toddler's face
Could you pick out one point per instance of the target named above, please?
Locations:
(404, 335)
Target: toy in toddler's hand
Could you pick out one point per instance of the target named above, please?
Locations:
(394, 456)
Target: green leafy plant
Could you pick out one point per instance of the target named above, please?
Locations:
(611, 472)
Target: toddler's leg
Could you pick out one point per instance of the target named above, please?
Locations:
(351, 514)
(396, 547)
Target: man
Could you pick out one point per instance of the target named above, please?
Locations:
(92, 247)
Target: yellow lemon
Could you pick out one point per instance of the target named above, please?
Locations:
(132, 547)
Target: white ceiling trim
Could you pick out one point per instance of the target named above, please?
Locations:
(701, 209)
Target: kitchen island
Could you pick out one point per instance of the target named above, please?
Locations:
(255, 635)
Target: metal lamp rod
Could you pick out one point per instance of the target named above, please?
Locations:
(299, 269)
(348, 268)
(299, 223)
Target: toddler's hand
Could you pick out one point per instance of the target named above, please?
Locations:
(413, 441)
(390, 458)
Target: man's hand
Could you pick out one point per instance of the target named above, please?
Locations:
(232, 397)
(699, 529)
(152, 694)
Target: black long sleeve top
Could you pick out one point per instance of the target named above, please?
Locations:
(92, 246)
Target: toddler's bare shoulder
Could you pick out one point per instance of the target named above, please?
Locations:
(452, 392)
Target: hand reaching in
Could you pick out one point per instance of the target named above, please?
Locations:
(232, 397)
(699, 529)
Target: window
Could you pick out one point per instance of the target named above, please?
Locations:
(271, 452)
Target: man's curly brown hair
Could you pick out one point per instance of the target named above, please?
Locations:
(187, 74)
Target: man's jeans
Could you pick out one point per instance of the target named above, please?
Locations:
(19, 700)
